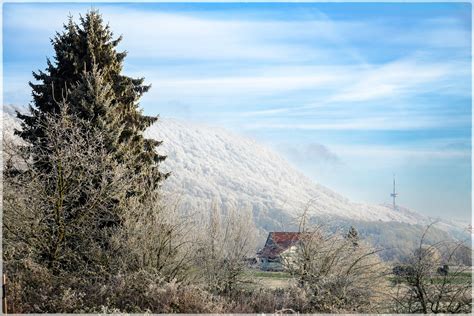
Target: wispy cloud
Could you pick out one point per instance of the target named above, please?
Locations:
(238, 85)
(399, 78)
(381, 123)
(158, 35)
(396, 153)
(315, 87)
(189, 35)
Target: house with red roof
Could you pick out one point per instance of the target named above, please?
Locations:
(279, 250)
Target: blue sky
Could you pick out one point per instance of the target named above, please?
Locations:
(349, 93)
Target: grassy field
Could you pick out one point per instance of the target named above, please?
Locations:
(454, 278)
(269, 279)
(269, 274)
(277, 279)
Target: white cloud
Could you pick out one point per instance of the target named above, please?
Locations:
(398, 78)
(155, 34)
(235, 86)
(383, 123)
(393, 152)
(151, 34)
(326, 86)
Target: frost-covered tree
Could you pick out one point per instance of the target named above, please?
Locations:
(222, 249)
(86, 72)
(353, 236)
(61, 218)
(429, 285)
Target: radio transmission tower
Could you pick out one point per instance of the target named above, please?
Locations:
(394, 194)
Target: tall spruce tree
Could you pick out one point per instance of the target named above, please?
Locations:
(84, 53)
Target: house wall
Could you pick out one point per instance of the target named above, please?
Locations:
(287, 257)
(271, 264)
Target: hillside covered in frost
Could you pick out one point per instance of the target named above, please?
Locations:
(213, 165)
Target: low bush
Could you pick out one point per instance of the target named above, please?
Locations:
(34, 289)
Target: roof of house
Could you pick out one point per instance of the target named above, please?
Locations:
(278, 242)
